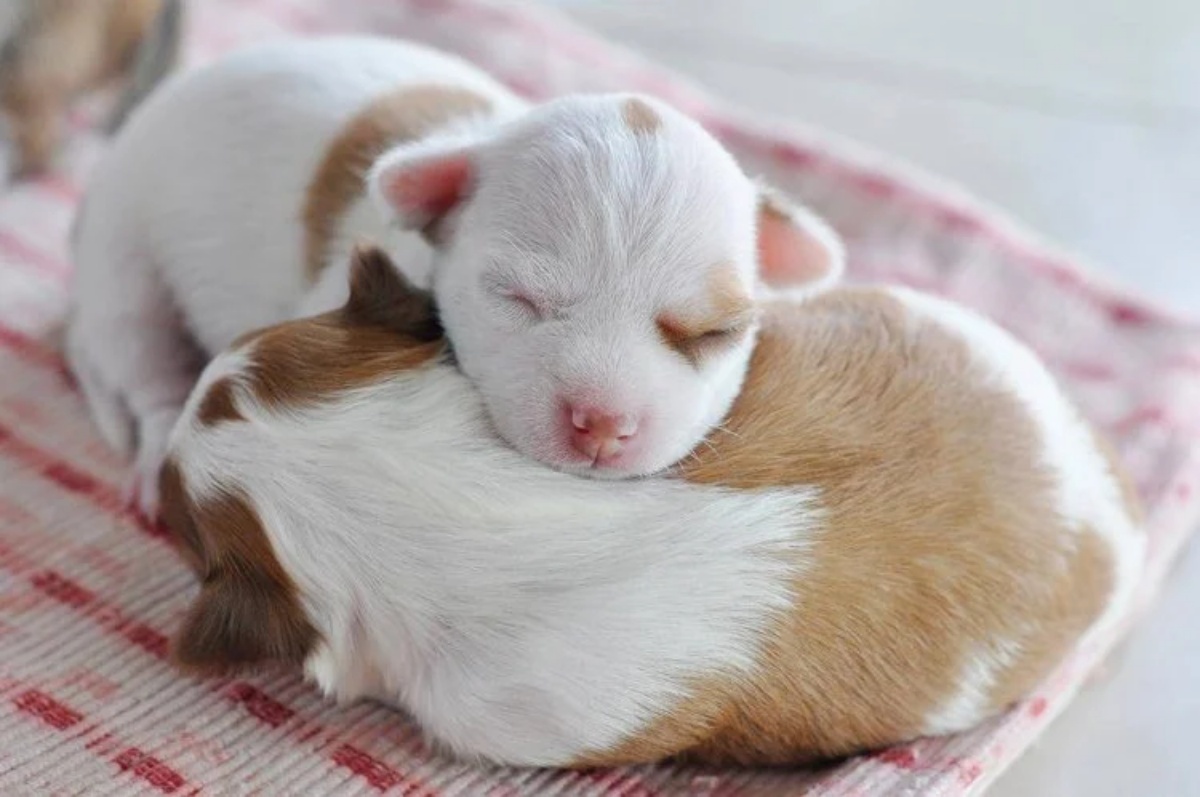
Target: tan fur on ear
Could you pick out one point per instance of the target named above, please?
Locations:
(248, 610)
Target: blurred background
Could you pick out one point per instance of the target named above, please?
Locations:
(1080, 118)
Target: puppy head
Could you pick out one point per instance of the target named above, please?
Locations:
(249, 609)
(598, 262)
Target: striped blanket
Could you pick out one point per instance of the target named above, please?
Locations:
(89, 596)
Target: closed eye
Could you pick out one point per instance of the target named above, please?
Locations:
(524, 304)
(696, 343)
(514, 301)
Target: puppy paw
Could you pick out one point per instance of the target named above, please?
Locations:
(154, 432)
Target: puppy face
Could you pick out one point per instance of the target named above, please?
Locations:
(598, 264)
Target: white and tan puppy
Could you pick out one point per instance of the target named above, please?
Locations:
(596, 259)
(903, 527)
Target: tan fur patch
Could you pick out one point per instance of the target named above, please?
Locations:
(404, 115)
(1075, 599)
(725, 316)
(63, 48)
(939, 536)
(640, 117)
(218, 404)
(248, 610)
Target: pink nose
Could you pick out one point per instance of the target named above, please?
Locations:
(599, 435)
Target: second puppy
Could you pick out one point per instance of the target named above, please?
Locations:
(596, 259)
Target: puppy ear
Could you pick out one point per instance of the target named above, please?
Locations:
(381, 296)
(421, 186)
(797, 251)
(248, 611)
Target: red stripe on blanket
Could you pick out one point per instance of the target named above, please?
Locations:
(76, 481)
(113, 619)
(150, 769)
(60, 716)
(109, 617)
(260, 704)
(50, 711)
(29, 349)
(376, 773)
(901, 757)
(26, 254)
(618, 783)
(257, 702)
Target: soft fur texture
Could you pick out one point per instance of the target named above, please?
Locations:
(52, 51)
(902, 527)
(560, 240)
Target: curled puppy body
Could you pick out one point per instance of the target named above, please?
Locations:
(596, 258)
(55, 50)
(902, 527)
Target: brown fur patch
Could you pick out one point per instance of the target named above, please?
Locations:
(60, 49)
(387, 326)
(218, 404)
(404, 115)
(248, 610)
(939, 537)
(725, 316)
(640, 117)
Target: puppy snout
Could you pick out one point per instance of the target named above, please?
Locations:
(600, 434)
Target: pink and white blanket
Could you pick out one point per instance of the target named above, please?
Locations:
(89, 596)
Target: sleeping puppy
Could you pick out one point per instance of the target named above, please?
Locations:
(53, 51)
(901, 528)
(596, 259)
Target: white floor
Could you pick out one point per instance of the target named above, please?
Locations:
(1080, 116)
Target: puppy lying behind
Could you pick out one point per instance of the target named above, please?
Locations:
(55, 50)
(595, 259)
(902, 527)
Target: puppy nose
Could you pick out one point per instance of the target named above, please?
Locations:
(600, 435)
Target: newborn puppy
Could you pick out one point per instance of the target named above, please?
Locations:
(902, 528)
(596, 258)
(56, 50)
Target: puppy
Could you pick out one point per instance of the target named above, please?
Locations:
(56, 50)
(901, 528)
(596, 259)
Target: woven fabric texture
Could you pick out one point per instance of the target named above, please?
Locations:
(89, 596)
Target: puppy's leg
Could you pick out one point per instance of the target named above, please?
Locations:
(136, 364)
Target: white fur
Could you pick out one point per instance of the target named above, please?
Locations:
(668, 207)
(521, 614)
(1089, 495)
(193, 222)
(530, 617)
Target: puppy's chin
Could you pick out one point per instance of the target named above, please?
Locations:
(564, 458)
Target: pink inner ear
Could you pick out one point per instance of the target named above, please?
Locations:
(428, 189)
(789, 254)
